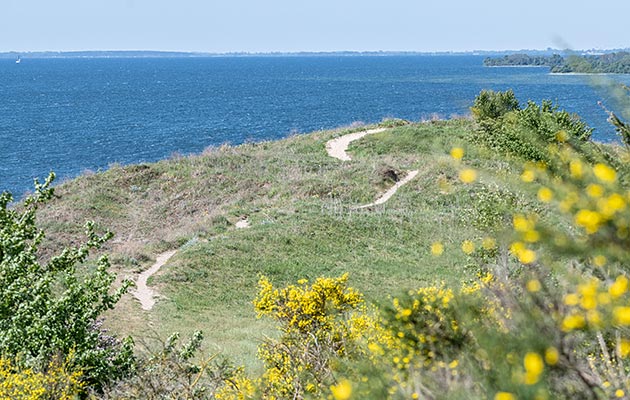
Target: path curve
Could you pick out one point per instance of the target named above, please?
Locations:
(387, 195)
(337, 148)
(145, 294)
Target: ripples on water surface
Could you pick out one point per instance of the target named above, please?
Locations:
(69, 115)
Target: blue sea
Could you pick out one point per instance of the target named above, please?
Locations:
(73, 115)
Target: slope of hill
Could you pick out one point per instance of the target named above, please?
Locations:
(302, 207)
(471, 238)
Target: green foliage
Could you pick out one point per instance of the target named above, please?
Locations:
(491, 105)
(393, 123)
(613, 63)
(547, 120)
(173, 372)
(524, 60)
(527, 132)
(51, 310)
(528, 330)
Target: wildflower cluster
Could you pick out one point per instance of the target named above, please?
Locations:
(596, 305)
(421, 337)
(320, 322)
(304, 307)
(56, 382)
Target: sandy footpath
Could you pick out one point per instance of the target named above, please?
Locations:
(336, 148)
(387, 195)
(145, 294)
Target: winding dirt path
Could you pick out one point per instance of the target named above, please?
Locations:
(387, 195)
(145, 294)
(337, 148)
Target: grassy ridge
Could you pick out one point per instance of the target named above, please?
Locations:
(301, 206)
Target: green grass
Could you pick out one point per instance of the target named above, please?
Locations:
(301, 205)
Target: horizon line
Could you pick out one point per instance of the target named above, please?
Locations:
(307, 51)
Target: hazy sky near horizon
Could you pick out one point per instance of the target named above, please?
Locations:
(322, 25)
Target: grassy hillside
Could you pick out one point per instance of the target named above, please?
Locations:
(499, 269)
(301, 205)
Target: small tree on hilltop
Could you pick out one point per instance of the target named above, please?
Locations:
(49, 310)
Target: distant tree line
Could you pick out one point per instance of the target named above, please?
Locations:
(612, 63)
(515, 60)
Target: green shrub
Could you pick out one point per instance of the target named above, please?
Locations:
(491, 105)
(546, 120)
(50, 310)
(527, 132)
(173, 372)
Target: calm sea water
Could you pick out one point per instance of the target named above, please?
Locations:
(71, 115)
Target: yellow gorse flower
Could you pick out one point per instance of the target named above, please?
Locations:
(504, 396)
(589, 220)
(468, 247)
(468, 175)
(342, 391)
(552, 356)
(545, 195)
(437, 249)
(528, 176)
(457, 153)
(533, 285)
(621, 315)
(534, 367)
(562, 136)
(594, 190)
(576, 168)
(604, 173)
(619, 287)
(572, 322)
(522, 223)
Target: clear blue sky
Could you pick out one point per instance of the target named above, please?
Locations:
(316, 25)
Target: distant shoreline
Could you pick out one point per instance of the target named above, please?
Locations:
(585, 73)
(516, 66)
(182, 54)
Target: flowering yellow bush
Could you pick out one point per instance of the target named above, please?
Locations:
(320, 322)
(56, 382)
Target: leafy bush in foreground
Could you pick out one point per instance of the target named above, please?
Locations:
(173, 373)
(51, 310)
